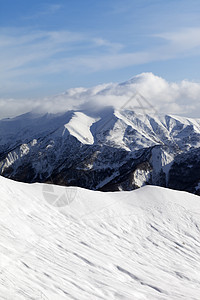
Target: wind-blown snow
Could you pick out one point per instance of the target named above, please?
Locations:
(79, 127)
(134, 245)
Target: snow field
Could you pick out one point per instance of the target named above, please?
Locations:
(82, 244)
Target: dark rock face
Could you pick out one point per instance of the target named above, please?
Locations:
(126, 152)
(184, 173)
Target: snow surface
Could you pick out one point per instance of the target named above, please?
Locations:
(70, 243)
(79, 127)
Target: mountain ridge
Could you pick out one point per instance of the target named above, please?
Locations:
(95, 150)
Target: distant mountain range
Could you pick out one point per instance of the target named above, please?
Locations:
(103, 150)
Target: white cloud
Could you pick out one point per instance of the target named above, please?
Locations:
(186, 37)
(28, 56)
(52, 8)
(35, 53)
(166, 97)
(185, 42)
(49, 9)
(19, 47)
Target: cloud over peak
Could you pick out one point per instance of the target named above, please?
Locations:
(165, 97)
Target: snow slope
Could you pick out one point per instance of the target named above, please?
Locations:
(70, 243)
(79, 127)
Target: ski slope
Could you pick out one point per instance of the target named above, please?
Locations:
(70, 243)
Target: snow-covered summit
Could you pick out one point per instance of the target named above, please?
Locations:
(151, 128)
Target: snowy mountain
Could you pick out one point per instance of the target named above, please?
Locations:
(69, 243)
(105, 149)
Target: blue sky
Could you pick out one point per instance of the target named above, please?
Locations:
(48, 47)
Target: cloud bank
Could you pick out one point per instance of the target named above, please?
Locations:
(181, 98)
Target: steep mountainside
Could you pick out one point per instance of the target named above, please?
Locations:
(107, 150)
